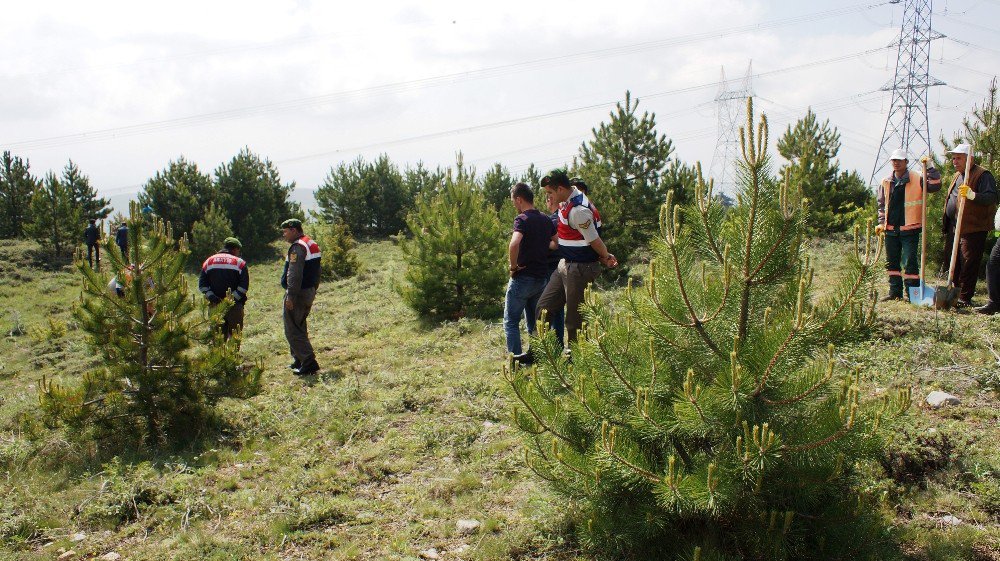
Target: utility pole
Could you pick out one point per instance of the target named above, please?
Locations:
(731, 107)
(907, 125)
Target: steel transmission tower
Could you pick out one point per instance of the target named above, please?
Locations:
(907, 126)
(731, 106)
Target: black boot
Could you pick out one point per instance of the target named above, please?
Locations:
(310, 367)
(295, 365)
(989, 309)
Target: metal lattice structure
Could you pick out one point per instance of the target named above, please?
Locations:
(731, 106)
(907, 125)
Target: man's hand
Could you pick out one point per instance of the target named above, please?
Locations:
(925, 159)
(609, 261)
(879, 230)
(965, 191)
(288, 304)
(514, 269)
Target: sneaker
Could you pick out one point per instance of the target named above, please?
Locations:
(295, 365)
(989, 309)
(308, 368)
(963, 304)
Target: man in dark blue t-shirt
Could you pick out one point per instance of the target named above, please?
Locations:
(529, 270)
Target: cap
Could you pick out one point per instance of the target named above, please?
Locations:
(232, 242)
(556, 178)
(960, 149)
(898, 154)
(292, 223)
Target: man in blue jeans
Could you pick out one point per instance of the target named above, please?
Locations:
(529, 272)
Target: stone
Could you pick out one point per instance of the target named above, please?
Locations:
(937, 399)
(949, 520)
(111, 556)
(466, 527)
(68, 555)
(78, 537)
(431, 553)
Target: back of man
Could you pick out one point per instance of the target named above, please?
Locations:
(223, 273)
(92, 236)
(528, 254)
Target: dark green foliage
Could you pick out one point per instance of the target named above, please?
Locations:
(532, 177)
(704, 415)
(837, 198)
(626, 167)
(164, 366)
(55, 220)
(179, 194)
(423, 182)
(455, 264)
(496, 185)
(255, 200)
(16, 188)
(371, 198)
(208, 234)
(340, 261)
(84, 195)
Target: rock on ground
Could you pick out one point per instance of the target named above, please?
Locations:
(938, 399)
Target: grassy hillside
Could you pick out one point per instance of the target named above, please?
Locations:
(406, 432)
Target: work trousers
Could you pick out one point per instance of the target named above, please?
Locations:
(296, 330)
(970, 254)
(566, 288)
(233, 321)
(993, 274)
(902, 261)
(556, 320)
(92, 251)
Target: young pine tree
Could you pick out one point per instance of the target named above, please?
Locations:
(704, 415)
(208, 235)
(455, 257)
(84, 195)
(340, 261)
(17, 186)
(164, 364)
(55, 220)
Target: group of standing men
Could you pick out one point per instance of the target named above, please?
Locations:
(900, 220)
(553, 258)
(226, 273)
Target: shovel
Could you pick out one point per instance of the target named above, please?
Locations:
(946, 296)
(922, 295)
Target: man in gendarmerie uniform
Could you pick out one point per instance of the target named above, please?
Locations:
(980, 190)
(583, 251)
(223, 273)
(300, 280)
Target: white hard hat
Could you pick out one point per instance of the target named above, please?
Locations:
(898, 154)
(961, 149)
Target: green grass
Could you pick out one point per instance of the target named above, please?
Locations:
(405, 432)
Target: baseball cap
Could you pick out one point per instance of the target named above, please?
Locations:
(898, 154)
(964, 148)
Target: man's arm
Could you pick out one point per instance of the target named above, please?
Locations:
(205, 286)
(880, 204)
(582, 219)
(513, 249)
(986, 190)
(603, 255)
(240, 292)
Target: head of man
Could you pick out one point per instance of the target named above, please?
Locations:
(580, 185)
(557, 185)
(551, 203)
(92, 221)
(959, 156)
(522, 197)
(232, 245)
(291, 229)
(899, 161)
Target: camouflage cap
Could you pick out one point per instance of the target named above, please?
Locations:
(232, 242)
(292, 223)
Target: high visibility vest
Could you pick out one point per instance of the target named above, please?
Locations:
(572, 245)
(913, 203)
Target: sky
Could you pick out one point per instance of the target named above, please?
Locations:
(123, 88)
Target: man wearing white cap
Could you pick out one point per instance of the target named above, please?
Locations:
(900, 219)
(980, 188)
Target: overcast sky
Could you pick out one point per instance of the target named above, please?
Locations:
(122, 88)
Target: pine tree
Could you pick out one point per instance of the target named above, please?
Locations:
(837, 199)
(179, 194)
(706, 409)
(455, 264)
(84, 195)
(55, 220)
(17, 186)
(339, 261)
(208, 235)
(624, 165)
(164, 366)
(254, 199)
(371, 198)
(496, 185)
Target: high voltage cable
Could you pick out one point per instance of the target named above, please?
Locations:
(518, 120)
(205, 118)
